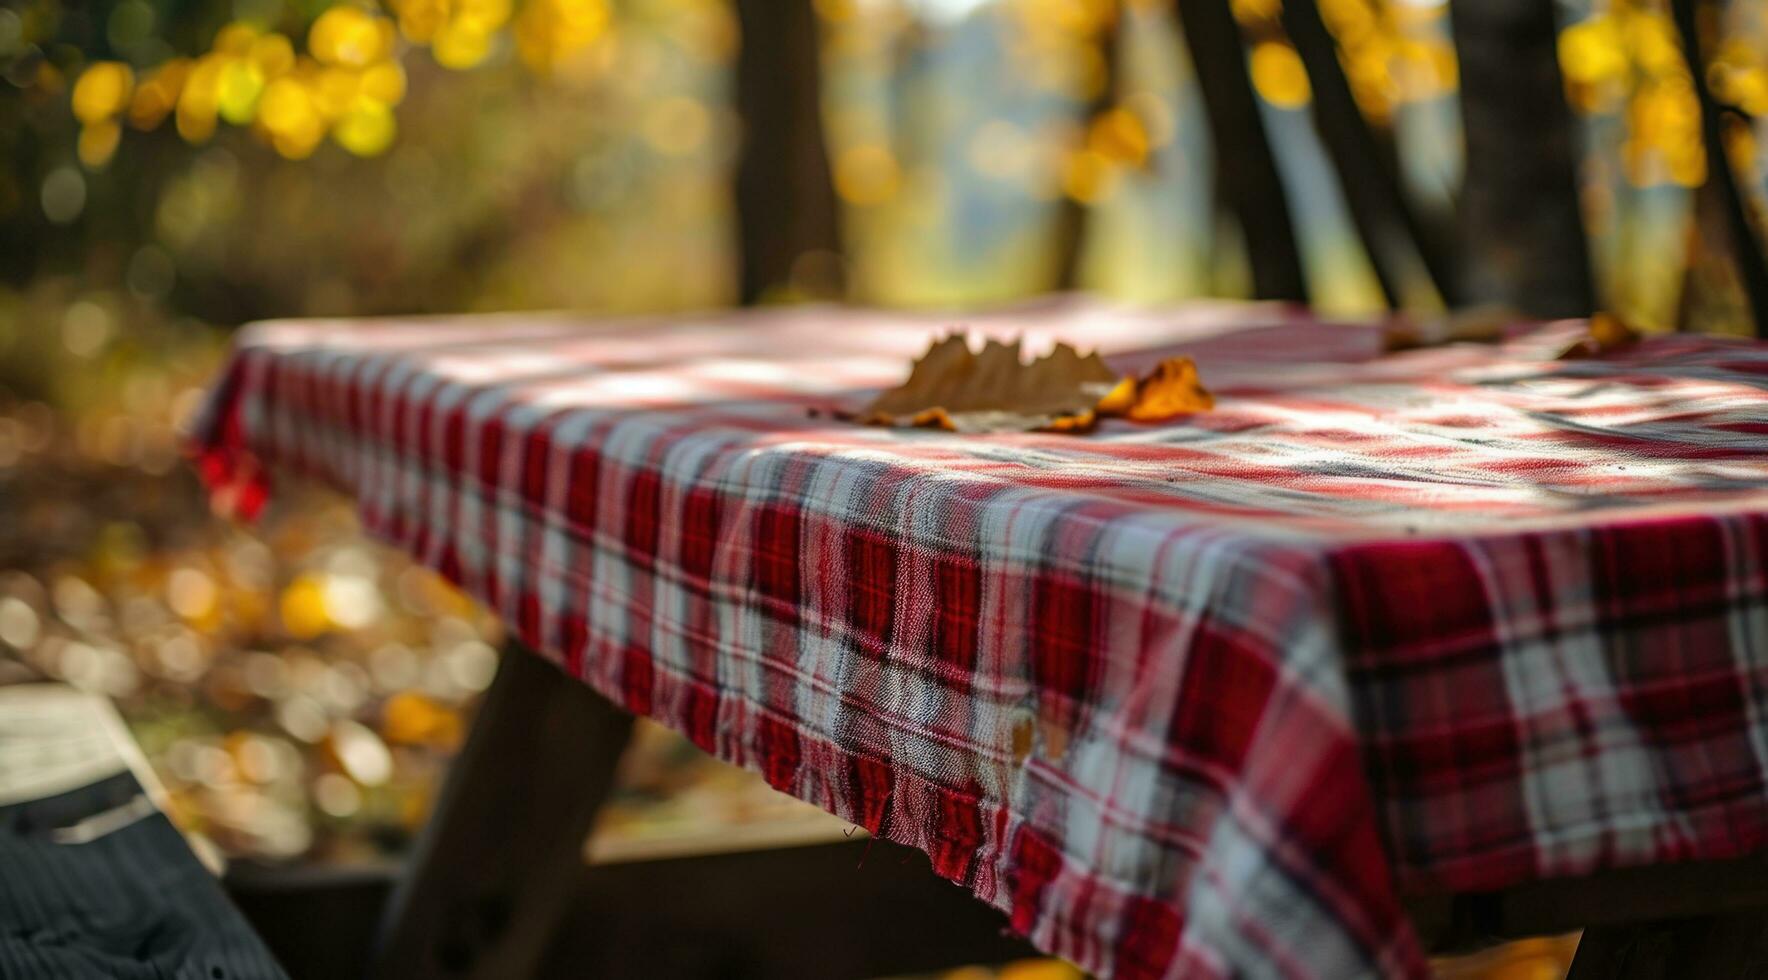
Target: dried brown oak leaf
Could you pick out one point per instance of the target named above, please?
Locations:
(1475, 325)
(954, 388)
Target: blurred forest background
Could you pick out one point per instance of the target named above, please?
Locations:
(174, 168)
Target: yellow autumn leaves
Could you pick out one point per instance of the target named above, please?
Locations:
(459, 33)
(1393, 53)
(345, 85)
(1117, 139)
(1627, 60)
(101, 94)
(1278, 74)
(550, 33)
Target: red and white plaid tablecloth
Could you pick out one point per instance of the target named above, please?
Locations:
(1191, 699)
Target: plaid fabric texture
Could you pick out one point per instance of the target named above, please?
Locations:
(1195, 699)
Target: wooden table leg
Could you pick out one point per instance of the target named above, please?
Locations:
(495, 866)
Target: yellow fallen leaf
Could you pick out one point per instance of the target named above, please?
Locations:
(1607, 332)
(954, 388)
(1173, 388)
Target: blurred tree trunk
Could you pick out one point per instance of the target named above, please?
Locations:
(913, 138)
(1071, 215)
(785, 197)
(1246, 177)
(1720, 202)
(1712, 298)
(1521, 234)
(1367, 171)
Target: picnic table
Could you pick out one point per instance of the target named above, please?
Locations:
(1250, 692)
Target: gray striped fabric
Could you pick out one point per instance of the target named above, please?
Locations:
(93, 885)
